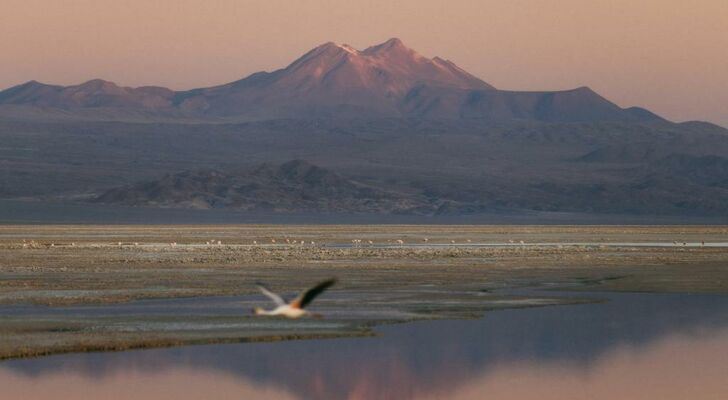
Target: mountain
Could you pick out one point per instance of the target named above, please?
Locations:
(384, 130)
(294, 186)
(331, 81)
(94, 93)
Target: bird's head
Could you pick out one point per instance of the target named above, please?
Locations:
(257, 311)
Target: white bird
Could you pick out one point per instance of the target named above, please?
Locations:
(294, 308)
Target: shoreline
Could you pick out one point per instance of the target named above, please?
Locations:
(94, 294)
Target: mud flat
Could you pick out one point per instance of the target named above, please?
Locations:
(89, 288)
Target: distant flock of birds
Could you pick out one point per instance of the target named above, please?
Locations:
(354, 243)
(296, 307)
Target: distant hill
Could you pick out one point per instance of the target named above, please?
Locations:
(295, 186)
(672, 185)
(92, 94)
(330, 81)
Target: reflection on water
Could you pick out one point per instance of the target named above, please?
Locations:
(634, 346)
(168, 384)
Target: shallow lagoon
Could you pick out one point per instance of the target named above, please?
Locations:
(633, 346)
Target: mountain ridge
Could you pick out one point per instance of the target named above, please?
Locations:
(331, 80)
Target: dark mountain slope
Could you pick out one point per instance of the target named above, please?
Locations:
(676, 185)
(578, 105)
(295, 186)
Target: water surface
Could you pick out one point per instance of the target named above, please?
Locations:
(635, 346)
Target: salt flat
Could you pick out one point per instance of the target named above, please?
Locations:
(113, 287)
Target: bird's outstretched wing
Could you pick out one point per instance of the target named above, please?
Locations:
(276, 298)
(307, 297)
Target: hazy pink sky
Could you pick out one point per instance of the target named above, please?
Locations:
(670, 56)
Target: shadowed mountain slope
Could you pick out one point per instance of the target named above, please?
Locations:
(295, 186)
(673, 185)
(399, 165)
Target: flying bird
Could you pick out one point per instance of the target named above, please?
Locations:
(294, 308)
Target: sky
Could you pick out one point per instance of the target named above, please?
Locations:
(670, 56)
